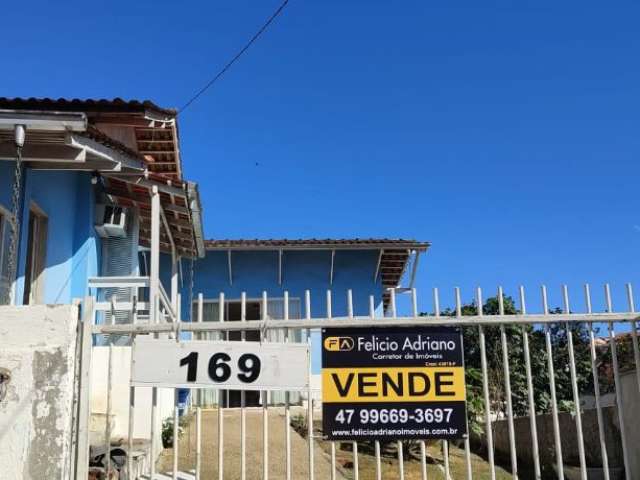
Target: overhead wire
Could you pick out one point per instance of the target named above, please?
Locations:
(228, 65)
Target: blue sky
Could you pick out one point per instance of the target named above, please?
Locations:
(507, 134)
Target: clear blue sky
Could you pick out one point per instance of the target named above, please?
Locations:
(506, 135)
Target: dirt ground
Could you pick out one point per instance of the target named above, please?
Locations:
(413, 467)
(231, 466)
(344, 455)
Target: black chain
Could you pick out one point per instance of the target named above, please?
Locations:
(15, 226)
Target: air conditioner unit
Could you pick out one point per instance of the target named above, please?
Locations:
(111, 221)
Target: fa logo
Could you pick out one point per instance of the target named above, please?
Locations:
(338, 344)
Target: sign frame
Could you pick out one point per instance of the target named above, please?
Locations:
(218, 364)
(376, 386)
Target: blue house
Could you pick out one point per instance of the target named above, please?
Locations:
(102, 209)
(362, 269)
(94, 208)
(83, 183)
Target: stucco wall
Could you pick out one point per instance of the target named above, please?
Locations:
(631, 409)
(121, 362)
(72, 253)
(38, 349)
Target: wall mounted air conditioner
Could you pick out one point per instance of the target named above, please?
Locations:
(111, 221)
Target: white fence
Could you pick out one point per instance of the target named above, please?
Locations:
(523, 341)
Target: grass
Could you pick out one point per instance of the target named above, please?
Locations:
(412, 465)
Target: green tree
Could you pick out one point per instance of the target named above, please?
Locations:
(517, 370)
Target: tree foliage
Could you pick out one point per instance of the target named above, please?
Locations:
(517, 371)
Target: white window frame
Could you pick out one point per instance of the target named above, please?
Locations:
(36, 289)
(250, 300)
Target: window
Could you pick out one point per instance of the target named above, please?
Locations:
(5, 238)
(36, 252)
(232, 313)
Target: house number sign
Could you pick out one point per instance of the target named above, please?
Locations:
(219, 364)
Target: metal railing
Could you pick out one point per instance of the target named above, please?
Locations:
(138, 309)
(536, 338)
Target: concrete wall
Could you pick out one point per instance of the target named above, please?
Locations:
(38, 350)
(546, 443)
(631, 409)
(120, 397)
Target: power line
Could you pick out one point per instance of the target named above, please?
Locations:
(236, 57)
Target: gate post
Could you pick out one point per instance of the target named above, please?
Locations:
(84, 389)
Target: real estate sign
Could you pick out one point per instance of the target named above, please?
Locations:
(393, 383)
(218, 364)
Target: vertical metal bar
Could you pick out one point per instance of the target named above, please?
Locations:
(436, 302)
(467, 445)
(507, 388)
(307, 309)
(176, 433)
(372, 306)
(445, 458)
(372, 314)
(107, 430)
(198, 442)
(154, 264)
(400, 460)
(414, 302)
(616, 378)
(175, 259)
(154, 420)
(333, 444)
(356, 472)
(530, 394)
(220, 441)
(458, 302)
(596, 389)
(423, 446)
(310, 444)
(265, 401)
(221, 395)
(574, 386)
(634, 333)
(485, 388)
(132, 409)
(552, 388)
(243, 399)
(200, 336)
(394, 312)
(84, 388)
(378, 461)
(423, 460)
(287, 410)
(333, 460)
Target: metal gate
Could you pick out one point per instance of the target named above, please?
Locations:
(524, 371)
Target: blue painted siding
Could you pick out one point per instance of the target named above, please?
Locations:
(6, 180)
(72, 251)
(257, 271)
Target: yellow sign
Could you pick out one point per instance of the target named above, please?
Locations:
(395, 384)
